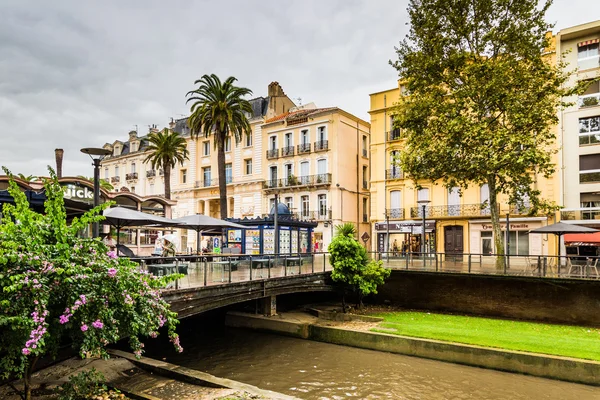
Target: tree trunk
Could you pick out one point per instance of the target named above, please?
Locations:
(222, 178)
(27, 377)
(167, 170)
(495, 216)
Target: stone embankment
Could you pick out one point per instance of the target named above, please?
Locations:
(356, 333)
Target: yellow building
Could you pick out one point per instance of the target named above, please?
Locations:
(454, 223)
(317, 161)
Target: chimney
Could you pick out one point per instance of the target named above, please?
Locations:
(275, 90)
(58, 154)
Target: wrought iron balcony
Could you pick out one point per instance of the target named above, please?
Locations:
(304, 148)
(394, 213)
(209, 182)
(322, 145)
(131, 176)
(287, 151)
(115, 179)
(589, 213)
(273, 153)
(151, 173)
(523, 209)
(589, 100)
(394, 135)
(461, 210)
(394, 173)
(298, 181)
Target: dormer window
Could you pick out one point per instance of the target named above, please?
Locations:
(134, 146)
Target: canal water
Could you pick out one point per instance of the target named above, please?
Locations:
(313, 370)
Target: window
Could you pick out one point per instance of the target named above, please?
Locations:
(322, 205)
(151, 190)
(289, 202)
(365, 177)
(106, 173)
(587, 54)
(519, 242)
(206, 148)
(133, 189)
(248, 166)
(365, 210)
(289, 170)
(116, 171)
(273, 174)
(484, 196)
(591, 96)
(227, 144)
(133, 148)
(364, 146)
(206, 176)
(273, 143)
(288, 139)
(589, 168)
(395, 199)
(132, 168)
(248, 140)
(228, 173)
(423, 194)
(183, 176)
(589, 130)
(321, 133)
(453, 201)
(304, 172)
(395, 172)
(272, 205)
(304, 137)
(322, 166)
(304, 206)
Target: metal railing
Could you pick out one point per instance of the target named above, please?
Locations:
(273, 153)
(219, 269)
(131, 176)
(394, 134)
(394, 173)
(542, 266)
(321, 145)
(313, 215)
(394, 213)
(589, 100)
(151, 173)
(287, 151)
(115, 179)
(304, 148)
(460, 210)
(298, 181)
(580, 214)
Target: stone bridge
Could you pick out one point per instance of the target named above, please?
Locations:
(195, 300)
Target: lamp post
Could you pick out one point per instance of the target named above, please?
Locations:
(97, 155)
(423, 204)
(276, 223)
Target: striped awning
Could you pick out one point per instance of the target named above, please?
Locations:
(588, 42)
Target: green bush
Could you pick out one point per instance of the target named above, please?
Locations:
(88, 385)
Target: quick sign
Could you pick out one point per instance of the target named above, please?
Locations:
(81, 193)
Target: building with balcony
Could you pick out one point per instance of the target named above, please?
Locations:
(455, 221)
(579, 127)
(316, 160)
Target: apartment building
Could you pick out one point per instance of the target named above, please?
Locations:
(454, 222)
(316, 160)
(579, 127)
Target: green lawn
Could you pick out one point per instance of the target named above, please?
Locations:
(562, 340)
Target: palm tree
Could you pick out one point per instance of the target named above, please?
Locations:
(345, 229)
(28, 178)
(219, 109)
(166, 150)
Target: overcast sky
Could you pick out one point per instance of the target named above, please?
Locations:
(79, 74)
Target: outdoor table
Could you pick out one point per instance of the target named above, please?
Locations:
(291, 261)
(260, 261)
(167, 269)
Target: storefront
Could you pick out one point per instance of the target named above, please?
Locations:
(521, 242)
(405, 236)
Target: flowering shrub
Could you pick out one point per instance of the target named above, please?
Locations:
(57, 287)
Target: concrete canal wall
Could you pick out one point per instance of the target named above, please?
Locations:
(553, 367)
(565, 301)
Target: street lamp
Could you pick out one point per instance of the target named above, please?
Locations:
(423, 204)
(97, 155)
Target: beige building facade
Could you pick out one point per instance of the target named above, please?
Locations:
(454, 222)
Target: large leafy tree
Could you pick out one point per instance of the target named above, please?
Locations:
(482, 98)
(219, 109)
(166, 149)
(60, 288)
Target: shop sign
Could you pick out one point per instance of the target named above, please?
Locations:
(513, 227)
(399, 227)
(79, 193)
(381, 242)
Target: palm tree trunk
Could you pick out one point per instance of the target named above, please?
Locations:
(167, 168)
(495, 216)
(222, 178)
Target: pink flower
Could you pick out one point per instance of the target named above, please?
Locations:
(97, 324)
(112, 254)
(25, 351)
(84, 328)
(64, 319)
(82, 297)
(112, 272)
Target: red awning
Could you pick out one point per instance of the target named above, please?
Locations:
(588, 42)
(591, 238)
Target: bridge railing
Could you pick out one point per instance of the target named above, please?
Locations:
(543, 266)
(199, 270)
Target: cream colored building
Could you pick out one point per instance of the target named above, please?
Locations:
(579, 127)
(454, 223)
(317, 161)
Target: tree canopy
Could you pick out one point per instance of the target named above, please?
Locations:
(482, 98)
(166, 150)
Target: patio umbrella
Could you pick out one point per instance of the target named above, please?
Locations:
(560, 228)
(200, 223)
(120, 217)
